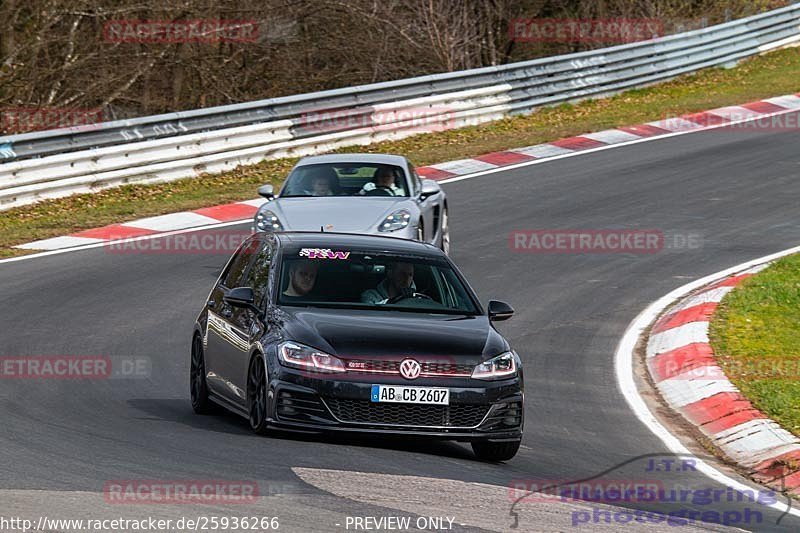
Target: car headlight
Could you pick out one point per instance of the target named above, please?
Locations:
(296, 355)
(502, 366)
(268, 221)
(396, 221)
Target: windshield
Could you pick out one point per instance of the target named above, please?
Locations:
(346, 179)
(348, 279)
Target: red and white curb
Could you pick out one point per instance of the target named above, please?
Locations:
(682, 365)
(652, 130)
(451, 170)
(235, 212)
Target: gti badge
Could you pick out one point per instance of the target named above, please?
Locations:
(410, 369)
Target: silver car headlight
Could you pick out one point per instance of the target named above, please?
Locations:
(396, 221)
(268, 221)
(296, 355)
(500, 367)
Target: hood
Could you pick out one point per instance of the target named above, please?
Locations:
(344, 213)
(394, 335)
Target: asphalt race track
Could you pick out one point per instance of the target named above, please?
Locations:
(63, 441)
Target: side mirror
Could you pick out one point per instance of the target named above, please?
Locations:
(429, 188)
(500, 311)
(267, 191)
(241, 297)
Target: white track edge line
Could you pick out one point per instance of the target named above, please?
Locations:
(623, 362)
(448, 180)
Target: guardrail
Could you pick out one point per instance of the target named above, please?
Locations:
(57, 163)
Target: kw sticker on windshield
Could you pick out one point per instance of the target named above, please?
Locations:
(323, 253)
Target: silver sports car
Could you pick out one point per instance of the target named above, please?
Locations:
(357, 193)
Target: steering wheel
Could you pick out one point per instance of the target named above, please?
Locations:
(407, 297)
(380, 190)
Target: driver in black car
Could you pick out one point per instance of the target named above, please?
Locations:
(383, 182)
(302, 278)
(398, 283)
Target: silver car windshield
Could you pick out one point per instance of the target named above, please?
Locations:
(346, 179)
(348, 279)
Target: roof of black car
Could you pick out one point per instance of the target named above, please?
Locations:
(309, 239)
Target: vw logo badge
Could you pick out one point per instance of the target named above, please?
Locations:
(410, 369)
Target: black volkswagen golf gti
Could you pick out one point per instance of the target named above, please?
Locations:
(356, 333)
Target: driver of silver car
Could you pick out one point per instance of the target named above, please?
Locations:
(399, 282)
(385, 179)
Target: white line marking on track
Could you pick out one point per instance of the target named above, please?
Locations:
(612, 136)
(172, 221)
(543, 151)
(676, 124)
(464, 165)
(55, 243)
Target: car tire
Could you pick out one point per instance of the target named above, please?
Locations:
(257, 396)
(495, 451)
(198, 388)
(444, 242)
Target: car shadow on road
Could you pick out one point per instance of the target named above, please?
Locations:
(180, 412)
(223, 421)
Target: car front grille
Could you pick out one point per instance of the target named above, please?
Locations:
(393, 367)
(447, 368)
(361, 365)
(406, 414)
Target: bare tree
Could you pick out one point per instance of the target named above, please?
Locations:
(58, 54)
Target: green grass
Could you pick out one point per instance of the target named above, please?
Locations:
(773, 74)
(756, 339)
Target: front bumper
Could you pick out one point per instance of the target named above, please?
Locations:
(478, 410)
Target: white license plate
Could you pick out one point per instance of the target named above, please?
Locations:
(395, 394)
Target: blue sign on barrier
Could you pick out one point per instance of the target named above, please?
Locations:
(6, 151)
